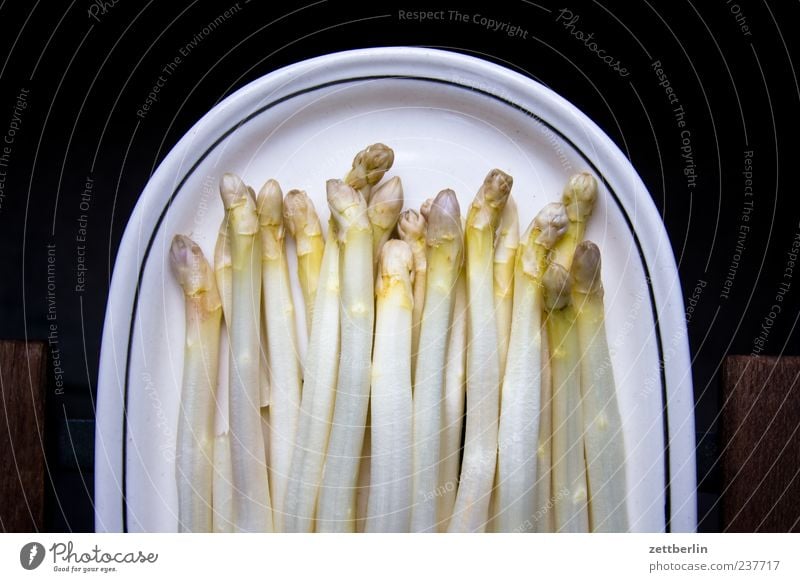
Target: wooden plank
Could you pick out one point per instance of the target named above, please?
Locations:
(22, 381)
(761, 444)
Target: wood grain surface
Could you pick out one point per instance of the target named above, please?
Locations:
(761, 444)
(22, 380)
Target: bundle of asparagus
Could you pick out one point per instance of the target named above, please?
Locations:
(420, 324)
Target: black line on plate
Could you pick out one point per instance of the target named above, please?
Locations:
(257, 112)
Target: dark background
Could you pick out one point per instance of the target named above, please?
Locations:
(87, 76)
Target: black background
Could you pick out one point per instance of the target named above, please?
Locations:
(87, 77)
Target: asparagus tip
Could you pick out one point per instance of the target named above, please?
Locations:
(386, 203)
(557, 284)
(300, 215)
(397, 260)
(497, 186)
(425, 208)
(411, 225)
(444, 218)
(232, 190)
(551, 222)
(585, 268)
(189, 265)
(369, 165)
(270, 204)
(579, 196)
(490, 200)
(347, 205)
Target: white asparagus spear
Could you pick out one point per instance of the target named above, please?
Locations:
(389, 504)
(383, 211)
(578, 198)
(195, 441)
(263, 369)
(453, 407)
(336, 507)
(369, 166)
(411, 228)
(223, 470)
(569, 469)
(302, 222)
(505, 253)
(252, 508)
(521, 393)
(284, 364)
(471, 510)
(603, 437)
(445, 244)
(319, 391)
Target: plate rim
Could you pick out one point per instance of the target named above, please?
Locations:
(208, 130)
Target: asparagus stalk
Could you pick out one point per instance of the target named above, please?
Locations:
(282, 352)
(364, 476)
(505, 253)
(412, 228)
(569, 470)
(483, 364)
(223, 267)
(579, 197)
(319, 390)
(521, 393)
(389, 505)
(543, 521)
(453, 407)
(203, 310)
(603, 439)
(302, 222)
(222, 490)
(445, 242)
(369, 166)
(336, 507)
(383, 211)
(222, 485)
(252, 508)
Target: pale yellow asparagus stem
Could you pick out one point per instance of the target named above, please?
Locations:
(336, 509)
(319, 391)
(284, 363)
(520, 397)
(411, 228)
(383, 211)
(471, 510)
(578, 198)
(223, 470)
(389, 504)
(195, 442)
(263, 370)
(369, 166)
(453, 407)
(505, 253)
(222, 488)
(603, 437)
(252, 508)
(223, 267)
(569, 469)
(543, 521)
(302, 222)
(364, 477)
(445, 244)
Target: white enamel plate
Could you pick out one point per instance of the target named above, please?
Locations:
(450, 119)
